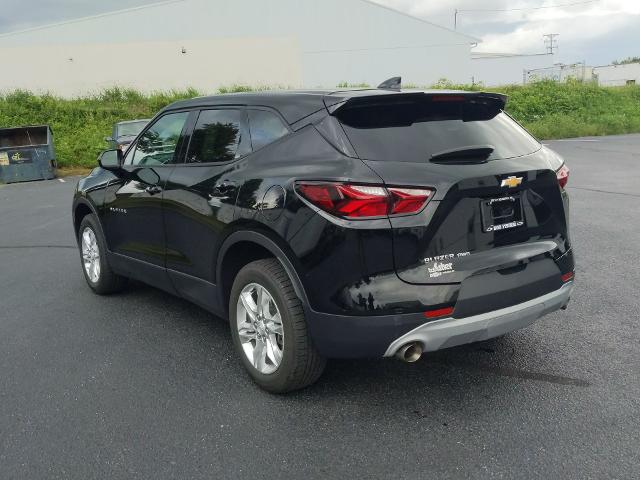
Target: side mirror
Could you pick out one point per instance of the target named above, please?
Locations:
(111, 159)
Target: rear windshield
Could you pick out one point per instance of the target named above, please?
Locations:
(414, 128)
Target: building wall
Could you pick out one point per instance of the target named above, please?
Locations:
(616, 75)
(285, 42)
(500, 69)
(417, 66)
(76, 69)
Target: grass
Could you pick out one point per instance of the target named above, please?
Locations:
(547, 109)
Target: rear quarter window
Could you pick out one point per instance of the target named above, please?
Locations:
(266, 127)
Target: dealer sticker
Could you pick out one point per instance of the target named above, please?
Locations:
(440, 269)
(440, 264)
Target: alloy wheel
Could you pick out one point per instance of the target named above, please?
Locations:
(90, 255)
(259, 325)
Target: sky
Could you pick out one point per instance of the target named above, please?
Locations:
(597, 32)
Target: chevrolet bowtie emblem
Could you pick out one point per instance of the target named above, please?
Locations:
(511, 182)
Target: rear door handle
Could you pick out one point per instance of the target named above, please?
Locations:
(153, 189)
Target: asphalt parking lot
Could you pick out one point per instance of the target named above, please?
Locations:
(145, 385)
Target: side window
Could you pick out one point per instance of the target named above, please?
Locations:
(266, 127)
(216, 137)
(157, 146)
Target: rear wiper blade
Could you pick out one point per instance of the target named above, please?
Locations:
(468, 154)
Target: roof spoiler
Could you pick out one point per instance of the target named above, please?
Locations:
(335, 103)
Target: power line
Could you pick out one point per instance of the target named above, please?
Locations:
(521, 9)
(529, 8)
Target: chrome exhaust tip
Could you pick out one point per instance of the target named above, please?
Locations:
(410, 352)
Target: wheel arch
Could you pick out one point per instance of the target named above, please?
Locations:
(262, 245)
(81, 209)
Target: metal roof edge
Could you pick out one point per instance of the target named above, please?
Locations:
(413, 17)
(88, 17)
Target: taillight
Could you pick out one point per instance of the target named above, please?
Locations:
(363, 201)
(563, 176)
(408, 200)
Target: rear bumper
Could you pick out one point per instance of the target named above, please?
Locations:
(346, 336)
(449, 332)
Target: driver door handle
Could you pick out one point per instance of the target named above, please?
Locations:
(153, 189)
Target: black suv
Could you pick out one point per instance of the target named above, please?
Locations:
(324, 224)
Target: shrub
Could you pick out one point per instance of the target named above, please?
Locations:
(548, 109)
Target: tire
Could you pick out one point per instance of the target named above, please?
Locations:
(300, 363)
(105, 281)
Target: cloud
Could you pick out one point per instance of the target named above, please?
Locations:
(585, 30)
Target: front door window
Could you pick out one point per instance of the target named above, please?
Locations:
(157, 146)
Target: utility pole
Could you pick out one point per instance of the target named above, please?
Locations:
(551, 42)
(455, 19)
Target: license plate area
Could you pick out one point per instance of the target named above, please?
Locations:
(502, 213)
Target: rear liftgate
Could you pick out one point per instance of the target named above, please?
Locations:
(494, 232)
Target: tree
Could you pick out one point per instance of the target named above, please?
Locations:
(627, 60)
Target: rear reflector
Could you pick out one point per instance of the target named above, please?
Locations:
(364, 201)
(567, 277)
(563, 176)
(440, 312)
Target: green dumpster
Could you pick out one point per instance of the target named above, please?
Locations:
(27, 153)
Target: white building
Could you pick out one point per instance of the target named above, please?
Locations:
(562, 72)
(495, 69)
(616, 75)
(209, 43)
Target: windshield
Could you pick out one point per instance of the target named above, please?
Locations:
(413, 129)
(130, 129)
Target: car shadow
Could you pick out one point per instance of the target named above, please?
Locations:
(438, 376)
